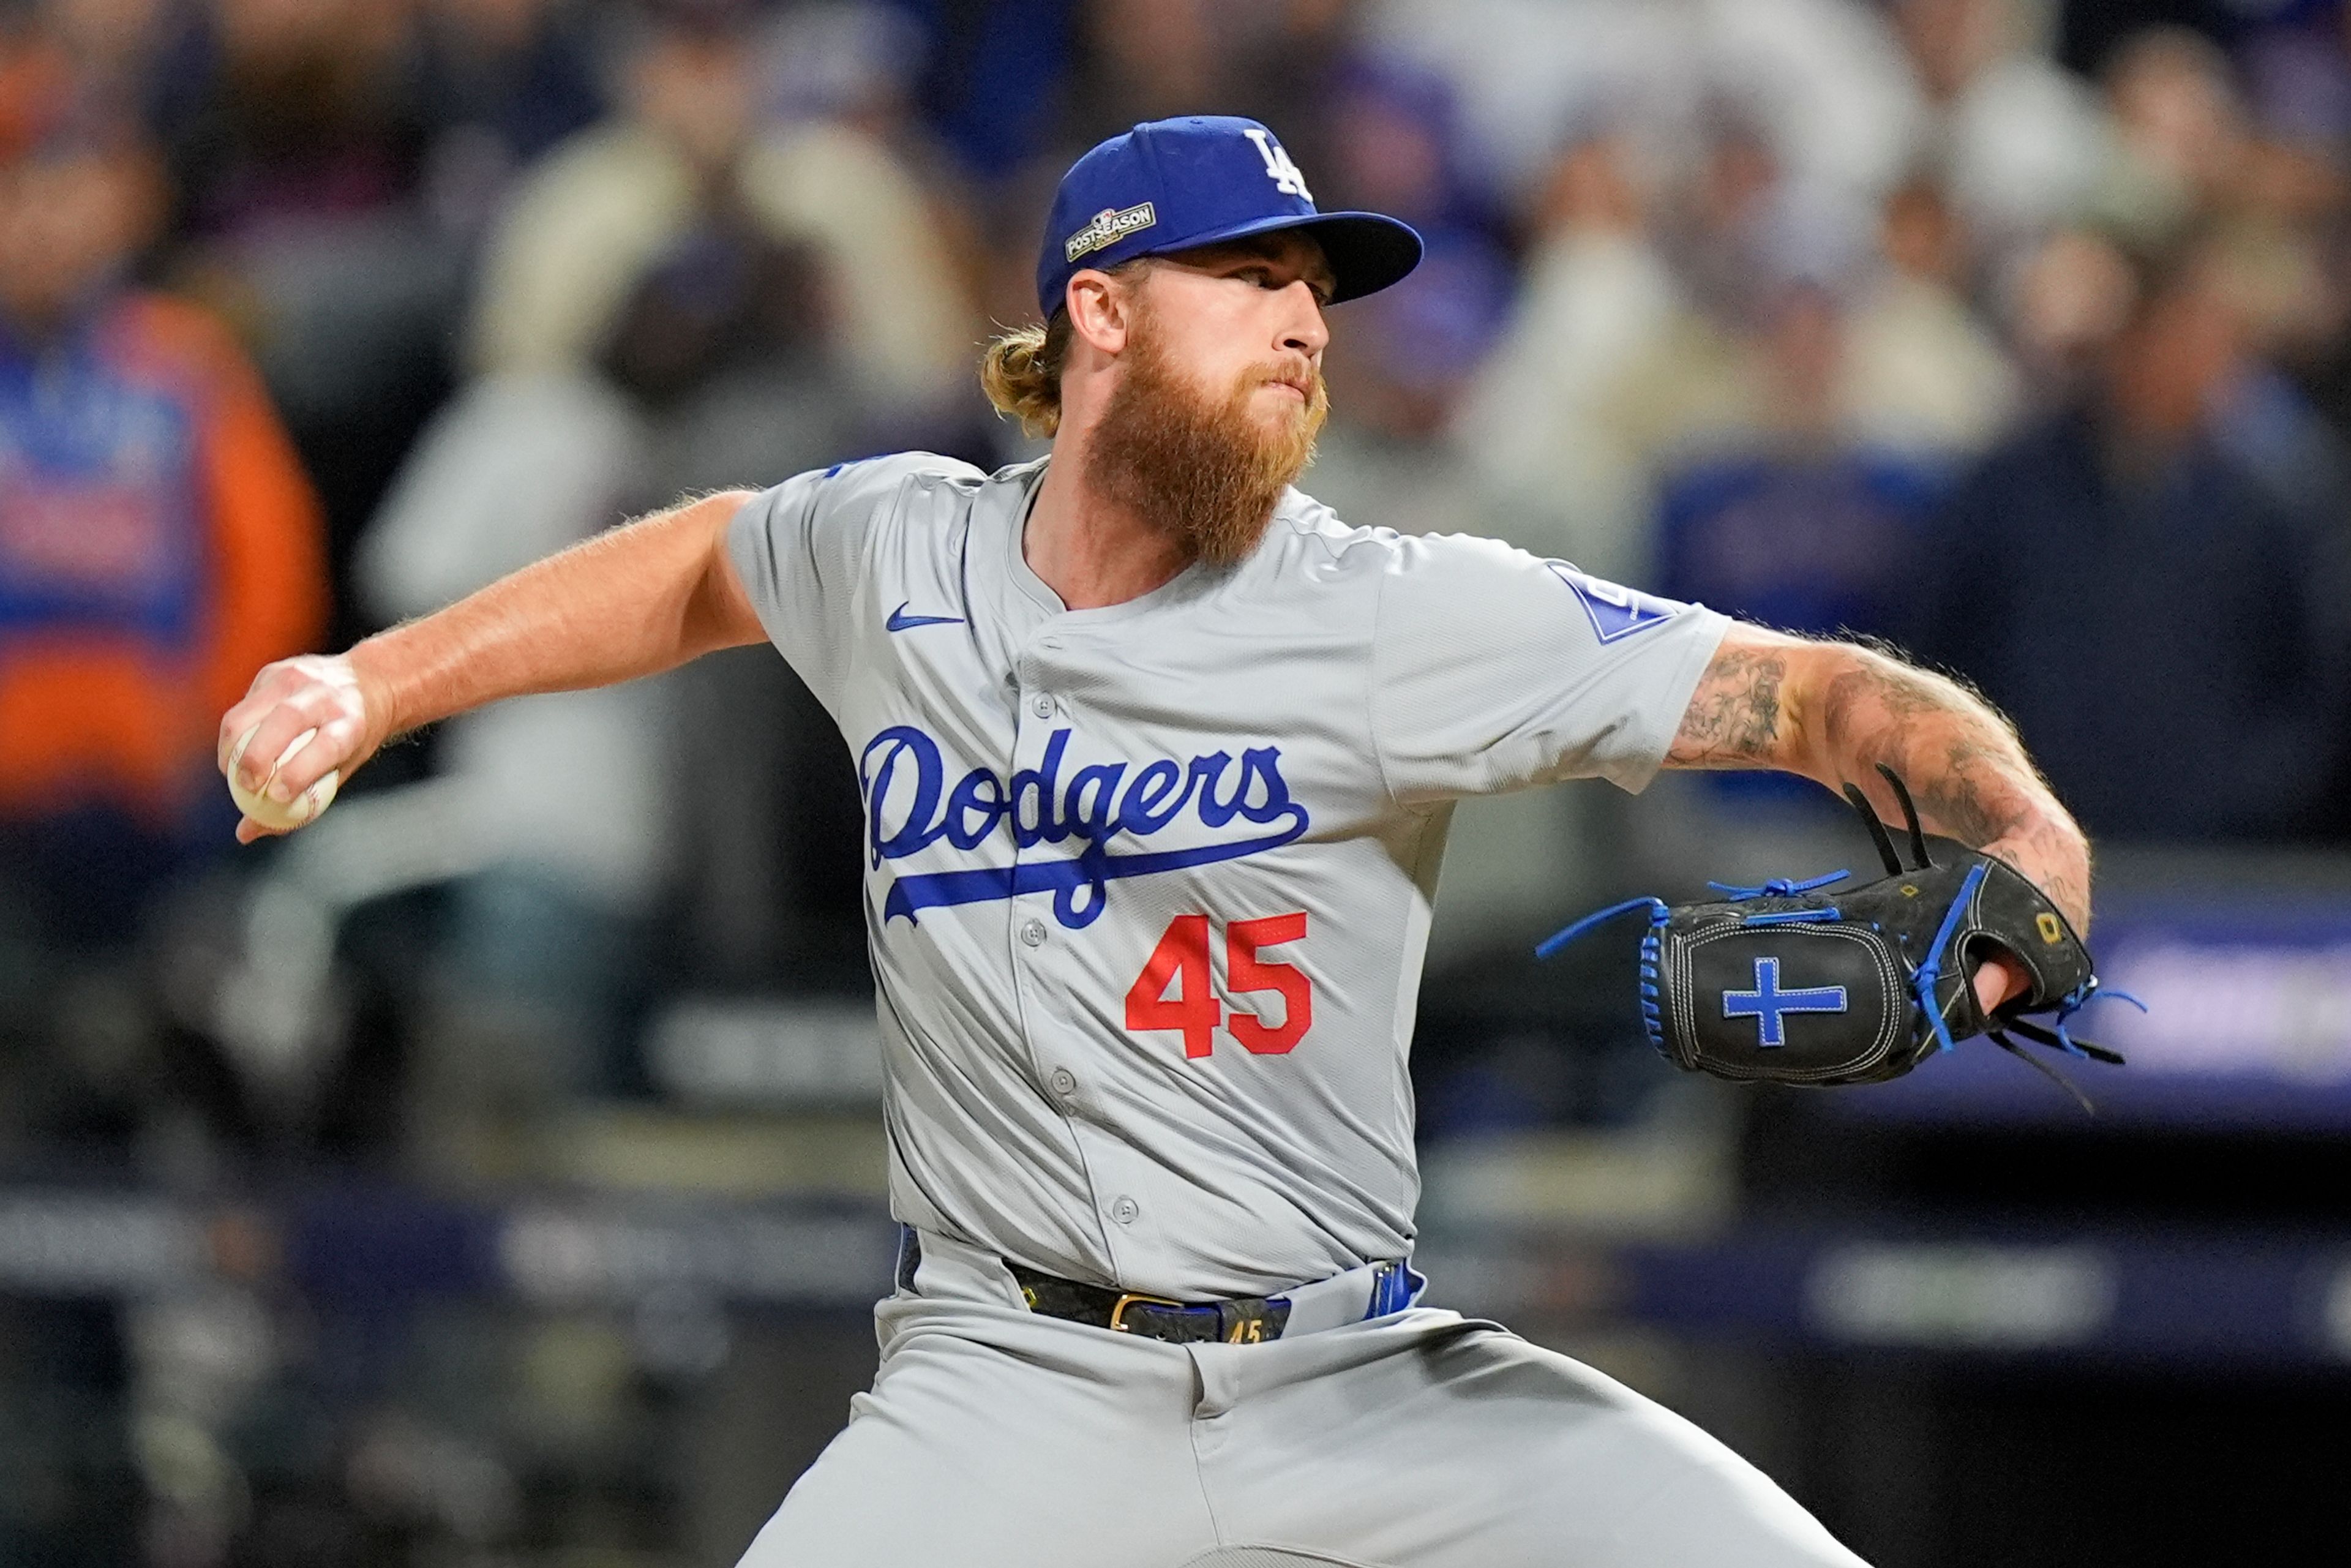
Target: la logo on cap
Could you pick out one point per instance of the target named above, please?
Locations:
(1184, 182)
(1278, 166)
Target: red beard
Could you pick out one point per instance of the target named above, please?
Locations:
(1205, 471)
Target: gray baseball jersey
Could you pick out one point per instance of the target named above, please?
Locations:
(1147, 886)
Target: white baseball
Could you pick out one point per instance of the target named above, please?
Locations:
(295, 813)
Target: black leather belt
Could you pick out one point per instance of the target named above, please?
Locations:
(1250, 1320)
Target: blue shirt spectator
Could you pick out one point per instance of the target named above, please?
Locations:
(1828, 543)
(2152, 586)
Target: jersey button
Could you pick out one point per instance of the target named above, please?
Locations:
(1064, 1081)
(1124, 1210)
(1042, 705)
(1033, 933)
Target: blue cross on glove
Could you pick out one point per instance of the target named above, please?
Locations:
(1766, 1003)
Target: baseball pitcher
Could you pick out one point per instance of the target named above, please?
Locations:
(1158, 756)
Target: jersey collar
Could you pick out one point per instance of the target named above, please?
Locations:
(1025, 481)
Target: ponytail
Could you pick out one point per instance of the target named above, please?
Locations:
(1021, 373)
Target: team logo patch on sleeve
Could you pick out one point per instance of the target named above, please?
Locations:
(1615, 611)
(1107, 228)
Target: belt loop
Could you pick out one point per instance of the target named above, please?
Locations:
(910, 1256)
(1394, 1287)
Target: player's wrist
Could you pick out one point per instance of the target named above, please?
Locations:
(384, 685)
(2051, 852)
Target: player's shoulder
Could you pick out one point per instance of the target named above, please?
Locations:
(895, 471)
(1305, 530)
(857, 491)
(1436, 584)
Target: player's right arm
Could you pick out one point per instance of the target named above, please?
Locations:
(633, 602)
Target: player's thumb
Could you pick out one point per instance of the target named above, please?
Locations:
(1999, 979)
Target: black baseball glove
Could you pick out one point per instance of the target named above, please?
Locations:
(1798, 984)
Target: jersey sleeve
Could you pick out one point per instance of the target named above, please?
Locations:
(800, 548)
(1493, 670)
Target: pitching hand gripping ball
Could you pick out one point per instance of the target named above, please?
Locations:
(295, 813)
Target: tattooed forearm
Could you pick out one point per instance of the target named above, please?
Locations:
(1733, 720)
(1833, 711)
(1955, 800)
(1965, 766)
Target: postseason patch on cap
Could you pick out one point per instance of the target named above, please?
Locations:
(1107, 227)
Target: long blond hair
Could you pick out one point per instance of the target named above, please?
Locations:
(1021, 369)
(1020, 372)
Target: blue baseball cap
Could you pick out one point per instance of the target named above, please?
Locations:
(1171, 184)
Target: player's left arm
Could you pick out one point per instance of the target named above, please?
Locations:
(1833, 711)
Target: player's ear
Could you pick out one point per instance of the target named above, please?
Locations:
(1101, 310)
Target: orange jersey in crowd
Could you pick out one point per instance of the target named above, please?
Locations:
(159, 543)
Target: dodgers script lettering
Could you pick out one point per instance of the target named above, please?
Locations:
(910, 807)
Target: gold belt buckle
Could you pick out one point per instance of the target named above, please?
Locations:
(1118, 1312)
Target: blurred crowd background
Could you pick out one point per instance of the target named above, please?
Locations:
(2016, 332)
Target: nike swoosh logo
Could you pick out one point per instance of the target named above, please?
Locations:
(900, 621)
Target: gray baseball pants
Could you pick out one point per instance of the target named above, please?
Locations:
(996, 1438)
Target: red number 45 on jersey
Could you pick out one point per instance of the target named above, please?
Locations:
(1182, 960)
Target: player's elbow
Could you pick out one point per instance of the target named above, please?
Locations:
(718, 611)
(1827, 691)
